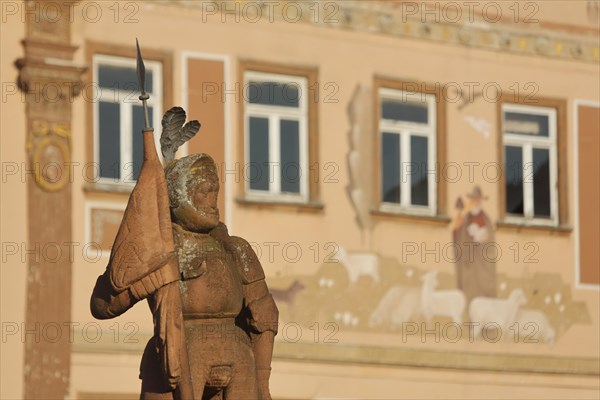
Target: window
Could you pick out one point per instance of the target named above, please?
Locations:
(530, 163)
(407, 129)
(276, 136)
(118, 115)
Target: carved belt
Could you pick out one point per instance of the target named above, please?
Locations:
(215, 329)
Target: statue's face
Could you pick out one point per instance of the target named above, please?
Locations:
(202, 215)
(204, 200)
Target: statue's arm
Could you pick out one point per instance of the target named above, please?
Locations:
(106, 302)
(264, 317)
(263, 313)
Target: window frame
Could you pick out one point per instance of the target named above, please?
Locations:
(406, 130)
(561, 218)
(274, 114)
(124, 97)
(527, 143)
(309, 198)
(436, 209)
(92, 181)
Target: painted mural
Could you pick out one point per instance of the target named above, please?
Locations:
(366, 292)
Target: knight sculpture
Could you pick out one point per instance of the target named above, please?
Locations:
(214, 318)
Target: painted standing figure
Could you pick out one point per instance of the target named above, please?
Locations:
(475, 263)
(214, 318)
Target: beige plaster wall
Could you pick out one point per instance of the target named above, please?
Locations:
(13, 212)
(347, 59)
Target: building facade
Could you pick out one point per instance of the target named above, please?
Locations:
(390, 162)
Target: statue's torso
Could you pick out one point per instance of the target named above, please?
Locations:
(211, 285)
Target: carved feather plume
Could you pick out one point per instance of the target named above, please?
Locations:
(175, 133)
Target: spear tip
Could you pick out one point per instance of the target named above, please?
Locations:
(141, 69)
(141, 73)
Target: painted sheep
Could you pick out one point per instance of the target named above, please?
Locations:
(358, 264)
(485, 310)
(399, 304)
(533, 325)
(445, 303)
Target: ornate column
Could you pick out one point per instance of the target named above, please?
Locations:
(51, 81)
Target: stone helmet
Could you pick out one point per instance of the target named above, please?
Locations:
(184, 174)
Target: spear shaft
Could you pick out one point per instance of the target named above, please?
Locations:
(172, 298)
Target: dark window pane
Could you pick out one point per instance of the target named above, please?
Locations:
(274, 93)
(259, 154)
(404, 111)
(390, 167)
(290, 156)
(122, 78)
(514, 179)
(133, 171)
(418, 176)
(526, 124)
(541, 182)
(110, 146)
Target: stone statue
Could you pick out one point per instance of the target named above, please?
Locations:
(214, 318)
